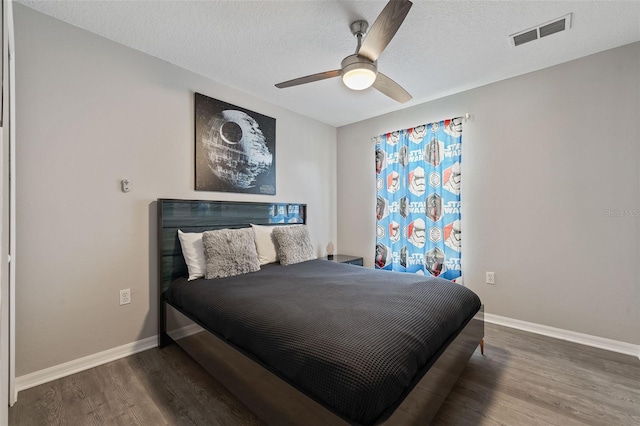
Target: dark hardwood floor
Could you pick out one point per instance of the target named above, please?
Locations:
(523, 379)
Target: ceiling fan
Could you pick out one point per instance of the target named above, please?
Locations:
(360, 70)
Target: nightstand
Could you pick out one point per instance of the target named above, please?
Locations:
(343, 258)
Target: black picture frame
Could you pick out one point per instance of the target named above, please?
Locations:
(235, 148)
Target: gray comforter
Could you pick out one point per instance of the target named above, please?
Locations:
(354, 339)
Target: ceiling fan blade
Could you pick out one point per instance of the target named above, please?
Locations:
(390, 88)
(384, 28)
(308, 79)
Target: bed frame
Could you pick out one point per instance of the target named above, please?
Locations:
(269, 397)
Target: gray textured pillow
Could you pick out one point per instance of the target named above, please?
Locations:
(230, 252)
(293, 244)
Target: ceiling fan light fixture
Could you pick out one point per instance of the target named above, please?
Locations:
(359, 78)
(358, 73)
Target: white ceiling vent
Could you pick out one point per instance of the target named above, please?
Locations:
(542, 30)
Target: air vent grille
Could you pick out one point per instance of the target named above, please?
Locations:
(552, 28)
(542, 30)
(525, 37)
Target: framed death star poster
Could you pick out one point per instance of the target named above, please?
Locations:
(235, 148)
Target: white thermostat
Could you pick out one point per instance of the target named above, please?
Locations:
(126, 185)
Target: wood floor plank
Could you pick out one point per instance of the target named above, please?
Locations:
(523, 379)
(187, 393)
(83, 409)
(127, 400)
(533, 379)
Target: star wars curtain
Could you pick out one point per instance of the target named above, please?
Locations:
(418, 200)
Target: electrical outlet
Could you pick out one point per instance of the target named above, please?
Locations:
(125, 296)
(491, 277)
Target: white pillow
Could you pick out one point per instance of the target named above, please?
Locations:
(265, 244)
(193, 253)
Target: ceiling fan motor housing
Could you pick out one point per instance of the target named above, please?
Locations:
(358, 72)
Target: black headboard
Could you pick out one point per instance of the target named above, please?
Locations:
(198, 216)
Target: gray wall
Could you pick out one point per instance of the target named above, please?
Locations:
(90, 113)
(545, 156)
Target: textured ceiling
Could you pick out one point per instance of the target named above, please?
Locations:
(442, 48)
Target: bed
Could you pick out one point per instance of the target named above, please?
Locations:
(315, 342)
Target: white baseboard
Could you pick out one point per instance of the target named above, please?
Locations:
(52, 373)
(571, 336)
(57, 371)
